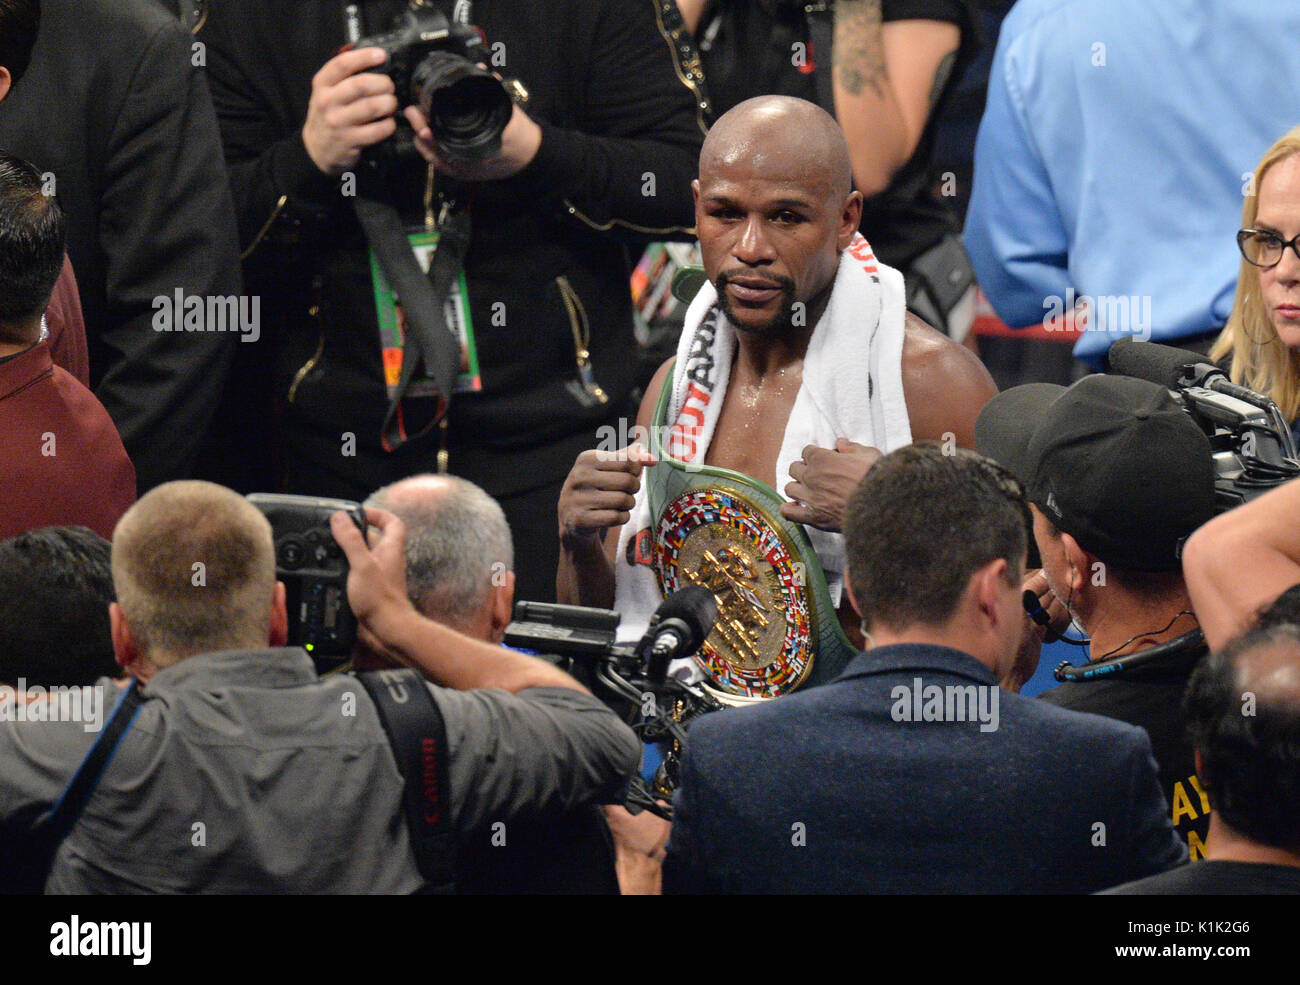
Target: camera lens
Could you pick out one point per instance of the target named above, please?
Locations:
(467, 108)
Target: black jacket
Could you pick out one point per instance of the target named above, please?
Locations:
(115, 107)
(852, 788)
(620, 118)
(1150, 696)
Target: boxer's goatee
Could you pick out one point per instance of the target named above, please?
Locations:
(781, 320)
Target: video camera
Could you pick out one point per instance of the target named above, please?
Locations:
(433, 60)
(631, 677)
(1253, 447)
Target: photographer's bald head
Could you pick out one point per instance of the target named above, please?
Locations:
(459, 552)
(194, 571)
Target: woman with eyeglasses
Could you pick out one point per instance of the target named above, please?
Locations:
(1262, 336)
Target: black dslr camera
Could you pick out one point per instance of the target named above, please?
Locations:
(314, 570)
(1251, 440)
(433, 62)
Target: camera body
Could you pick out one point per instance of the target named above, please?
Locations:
(433, 62)
(1252, 451)
(1250, 439)
(314, 570)
(623, 675)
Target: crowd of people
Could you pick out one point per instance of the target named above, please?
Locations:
(211, 285)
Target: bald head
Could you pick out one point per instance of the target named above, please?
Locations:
(1270, 669)
(780, 138)
(774, 210)
(194, 571)
(1243, 715)
(458, 546)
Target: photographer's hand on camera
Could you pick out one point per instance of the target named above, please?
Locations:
(351, 108)
(520, 142)
(376, 576)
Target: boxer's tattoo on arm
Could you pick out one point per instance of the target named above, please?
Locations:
(859, 52)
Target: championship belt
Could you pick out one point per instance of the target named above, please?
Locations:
(777, 629)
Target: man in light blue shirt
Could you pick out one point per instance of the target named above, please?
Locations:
(1117, 143)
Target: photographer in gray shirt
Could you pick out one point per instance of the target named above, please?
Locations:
(245, 772)
(460, 573)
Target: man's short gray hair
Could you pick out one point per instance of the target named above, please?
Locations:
(456, 545)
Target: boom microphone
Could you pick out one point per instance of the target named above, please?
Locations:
(1161, 364)
(1206, 391)
(1034, 609)
(679, 626)
(1176, 369)
(1182, 369)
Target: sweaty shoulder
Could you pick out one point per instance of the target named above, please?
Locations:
(945, 385)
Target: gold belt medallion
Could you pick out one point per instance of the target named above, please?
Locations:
(761, 644)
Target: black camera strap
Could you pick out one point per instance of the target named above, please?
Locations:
(430, 341)
(418, 735)
(821, 34)
(28, 870)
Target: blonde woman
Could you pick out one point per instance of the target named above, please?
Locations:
(1262, 336)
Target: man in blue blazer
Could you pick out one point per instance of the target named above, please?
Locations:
(913, 771)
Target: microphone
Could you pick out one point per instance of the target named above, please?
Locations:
(1039, 615)
(1176, 369)
(1191, 376)
(678, 627)
(1157, 363)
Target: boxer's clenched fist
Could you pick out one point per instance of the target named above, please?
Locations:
(599, 492)
(823, 480)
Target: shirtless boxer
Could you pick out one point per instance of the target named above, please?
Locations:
(775, 209)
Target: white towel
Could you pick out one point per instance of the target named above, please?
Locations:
(852, 388)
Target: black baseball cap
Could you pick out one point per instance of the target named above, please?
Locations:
(1114, 461)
